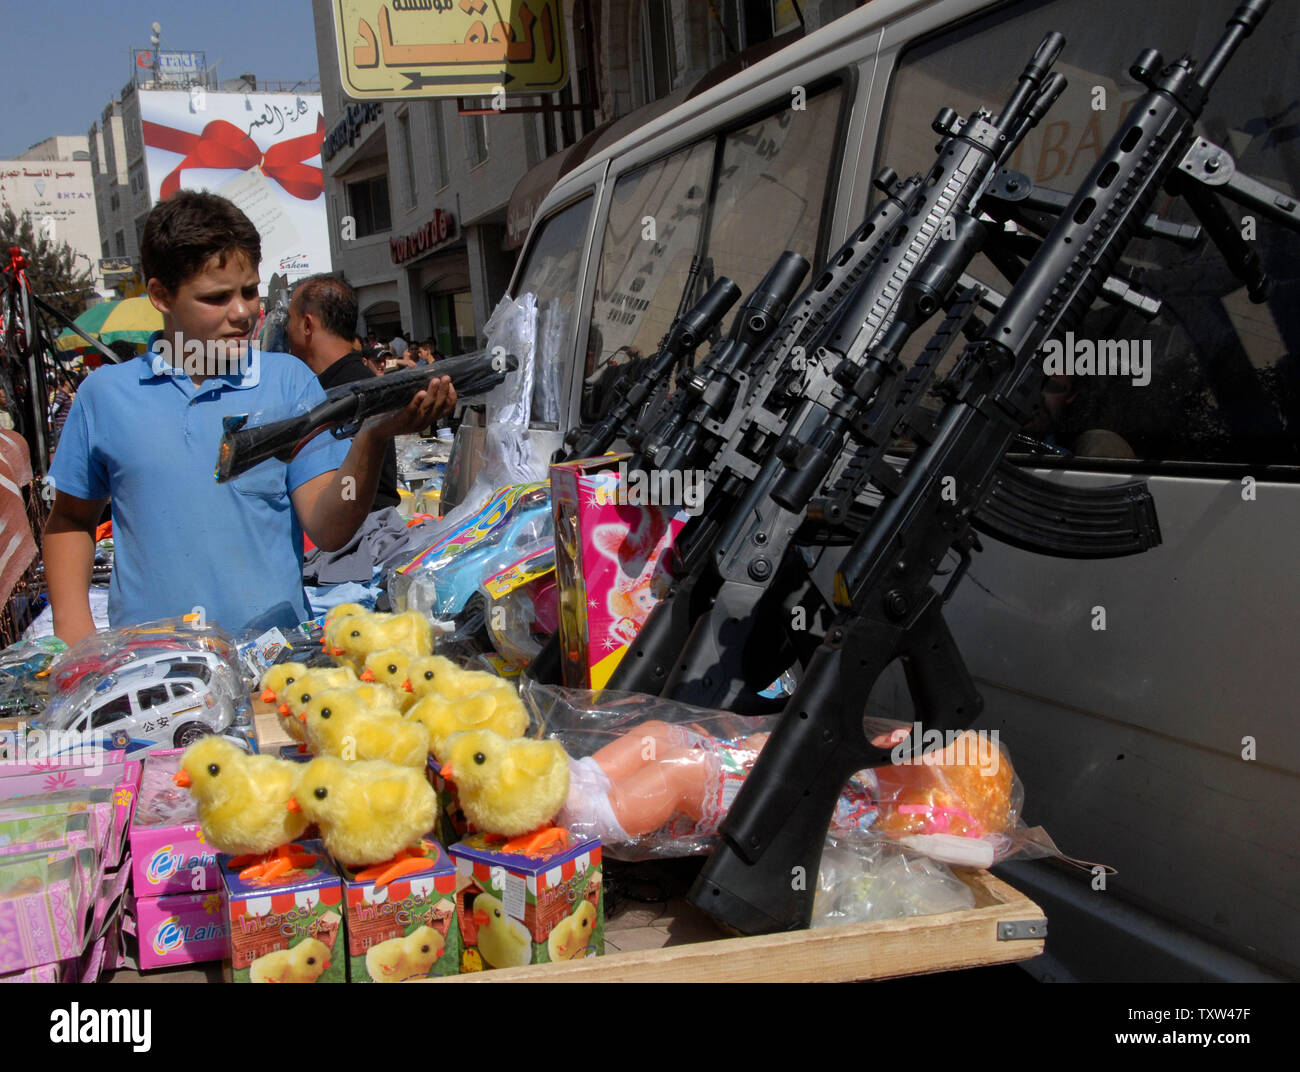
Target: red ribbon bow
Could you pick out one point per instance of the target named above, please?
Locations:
(223, 145)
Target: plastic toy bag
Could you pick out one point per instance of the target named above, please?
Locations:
(108, 649)
(684, 764)
(442, 579)
(860, 882)
(25, 676)
(523, 606)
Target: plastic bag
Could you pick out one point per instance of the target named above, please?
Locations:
(441, 580)
(154, 685)
(859, 882)
(523, 606)
(677, 764)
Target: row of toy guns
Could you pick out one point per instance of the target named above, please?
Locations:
(791, 416)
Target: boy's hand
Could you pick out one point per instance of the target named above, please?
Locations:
(437, 400)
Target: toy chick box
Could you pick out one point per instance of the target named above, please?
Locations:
(404, 928)
(286, 922)
(516, 910)
(613, 529)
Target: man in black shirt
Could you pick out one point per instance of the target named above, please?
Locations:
(322, 324)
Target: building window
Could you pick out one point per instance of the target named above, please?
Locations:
(106, 253)
(476, 139)
(119, 241)
(368, 200)
(438, 139)
(408, 156)
(658, 62)
(114, 202)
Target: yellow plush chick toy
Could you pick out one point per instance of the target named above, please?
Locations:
(338, 722)
(438, 675)
(355, 637)
(507, 787)
(341, 620)
(573, 933)
(279, 677)
(295, 696)
(411, 957)
(502, 942)
(443, 717)
(241, 799)
(304, 963)
(389, 668)
(367, 811)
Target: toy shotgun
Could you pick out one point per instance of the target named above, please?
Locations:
(346, 406)
(887, 608)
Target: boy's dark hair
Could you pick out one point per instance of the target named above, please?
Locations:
(331, 300)
(187, 230)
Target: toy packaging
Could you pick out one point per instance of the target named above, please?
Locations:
(168, 852)
(523, 607)
(407, 928)
(452, 824)
(45, 900)
(516, 910)
(182, 929)
(610, 564)
(287, 928)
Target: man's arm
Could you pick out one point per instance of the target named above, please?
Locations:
(69, 550)
(332, 506)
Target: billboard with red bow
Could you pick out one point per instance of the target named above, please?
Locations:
(260, 150)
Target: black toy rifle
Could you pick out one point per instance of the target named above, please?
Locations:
(774, 832)
(345, 407)
(730, 570)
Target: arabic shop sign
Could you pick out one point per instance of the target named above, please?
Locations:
(401, 49)
(348, 129)
(440, 229)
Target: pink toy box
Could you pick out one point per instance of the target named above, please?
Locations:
(611, 562)
(183, 929)
(168, 852)
(47, 904)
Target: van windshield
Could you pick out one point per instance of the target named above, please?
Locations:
(550, 275)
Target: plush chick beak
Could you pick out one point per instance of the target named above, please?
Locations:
(268, 696)
(283, 709)
(336, 651)
(292, 804)
(447, 774)
(406, 686)
(302, 717)
(367, 674)
(182, 778)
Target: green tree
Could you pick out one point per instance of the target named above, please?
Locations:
(52, 266)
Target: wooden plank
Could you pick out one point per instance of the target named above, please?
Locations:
(891, 948)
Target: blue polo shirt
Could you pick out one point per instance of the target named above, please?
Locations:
(180, 539)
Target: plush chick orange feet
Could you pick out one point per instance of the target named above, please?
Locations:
(241, 798)
(367, 810)
(507, 787)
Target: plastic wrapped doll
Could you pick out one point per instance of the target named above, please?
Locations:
(681, 780)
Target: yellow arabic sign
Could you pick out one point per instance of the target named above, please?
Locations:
(403, 49)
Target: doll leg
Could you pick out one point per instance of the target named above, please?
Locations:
(627, 754)
(676, 782)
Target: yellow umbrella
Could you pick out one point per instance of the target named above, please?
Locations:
(132, 320)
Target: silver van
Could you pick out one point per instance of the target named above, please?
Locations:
(1148, 703)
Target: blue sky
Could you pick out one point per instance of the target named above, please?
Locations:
(70, 59)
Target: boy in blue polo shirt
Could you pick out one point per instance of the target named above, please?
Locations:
(146, 433)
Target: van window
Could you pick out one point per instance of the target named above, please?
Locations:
(550, 274)
(182, 688)
(153, 696)
(1223, 381)
(738, 200)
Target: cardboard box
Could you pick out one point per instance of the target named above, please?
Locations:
(407, 929)
(610, 564)
(182, 929)
(289, 929)
(516, 910)
(168, 852)
(452, 824)
(47, 905)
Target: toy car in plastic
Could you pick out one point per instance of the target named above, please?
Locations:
(157, 705)
(143, 653)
